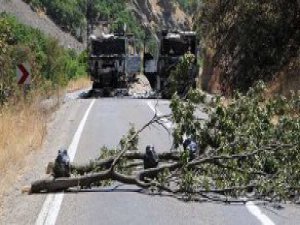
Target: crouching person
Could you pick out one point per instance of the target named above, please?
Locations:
(150, 161)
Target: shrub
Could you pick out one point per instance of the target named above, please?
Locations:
(49, 61)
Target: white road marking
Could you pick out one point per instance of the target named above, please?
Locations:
(153, 107)
(255, 211)
(51, 207)
(252, 208)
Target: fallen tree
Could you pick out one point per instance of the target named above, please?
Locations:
(248, 149)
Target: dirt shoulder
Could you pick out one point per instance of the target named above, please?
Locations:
(19, 208)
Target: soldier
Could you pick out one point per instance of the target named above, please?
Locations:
(191, 146)
(62, 164)
(150, 158)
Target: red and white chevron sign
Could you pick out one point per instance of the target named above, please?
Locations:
(23, 73)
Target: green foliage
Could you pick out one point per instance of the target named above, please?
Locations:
(182, 78)
(122, 165)
(151, 45)
(118, 12)
(71, 15)
(249, 148)
(49, 62)
(251, 40)
(255, 138)
(131, 140)
(183, 116)
(189, 6)
(67, 13)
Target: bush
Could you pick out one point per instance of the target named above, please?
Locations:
(71, 15)
(252, 142)
(49, 61)
(182, 77)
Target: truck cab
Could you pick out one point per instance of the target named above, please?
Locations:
(113, 62)
(172, 46)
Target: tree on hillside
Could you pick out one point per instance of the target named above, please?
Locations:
(250, 40)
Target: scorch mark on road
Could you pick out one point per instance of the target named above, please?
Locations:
(51, 206)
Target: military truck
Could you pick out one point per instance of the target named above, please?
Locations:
(113, 61)
(172, 46)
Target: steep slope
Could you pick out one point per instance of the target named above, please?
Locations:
(24, 14)
(249, 41)
(158, 14)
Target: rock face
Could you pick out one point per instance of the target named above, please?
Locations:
(27, 16)
(153, 14)
(158, 14)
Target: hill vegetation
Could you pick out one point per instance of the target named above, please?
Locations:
(246, 41)
(189, 6)
(51, 65)
(71, 15)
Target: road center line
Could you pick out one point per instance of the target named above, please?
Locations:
(51, 207)
(251, 207)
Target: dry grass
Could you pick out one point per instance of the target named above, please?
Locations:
(22, 128)
(80, 83)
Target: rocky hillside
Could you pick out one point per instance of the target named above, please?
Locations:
(250, 41)
(140, 14)
(161, 14)
(26, 15)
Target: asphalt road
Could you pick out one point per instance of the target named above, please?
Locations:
(89, 124)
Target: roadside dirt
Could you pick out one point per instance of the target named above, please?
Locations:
(17, 207)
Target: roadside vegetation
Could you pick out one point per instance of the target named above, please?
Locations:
(189, 6)
(51, 65)
(246, 41)
(22, 128)
(79, 84)
(23, 118)
(71, 15)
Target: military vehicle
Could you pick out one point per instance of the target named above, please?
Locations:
(113, 61)
(172, 46)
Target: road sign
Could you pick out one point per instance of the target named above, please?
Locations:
(23, 74)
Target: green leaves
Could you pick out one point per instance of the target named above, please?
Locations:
(71, 15)
(181, 78)
(260, 137)
(131, 140)
(50, 63)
